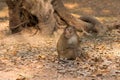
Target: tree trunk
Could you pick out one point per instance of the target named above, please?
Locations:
(64, 14)
(45, 14)
(14, 18)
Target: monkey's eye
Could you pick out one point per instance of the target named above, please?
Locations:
(71, 30)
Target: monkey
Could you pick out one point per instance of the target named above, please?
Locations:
(68, 44)
(97, 27)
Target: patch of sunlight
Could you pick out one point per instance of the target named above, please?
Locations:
(107, 18)
(87, 10)
(75, 15)
(117, 52)
(71, 5)
(3, 24)
(101, 19)
(4, 12)
(116, 48)
(105, 11)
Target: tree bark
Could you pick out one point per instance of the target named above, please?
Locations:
(14, 18)
(68, 18)
(45, 14)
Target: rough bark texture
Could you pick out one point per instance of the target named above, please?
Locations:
(14, 18)
(45, 14)
(43, 10)
(65, 16)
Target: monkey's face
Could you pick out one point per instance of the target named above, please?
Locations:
(69, 32)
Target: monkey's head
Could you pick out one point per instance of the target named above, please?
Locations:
(69, 31)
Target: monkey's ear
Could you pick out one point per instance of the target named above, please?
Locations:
(65, 28)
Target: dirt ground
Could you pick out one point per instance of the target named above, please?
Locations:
(27, 57)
